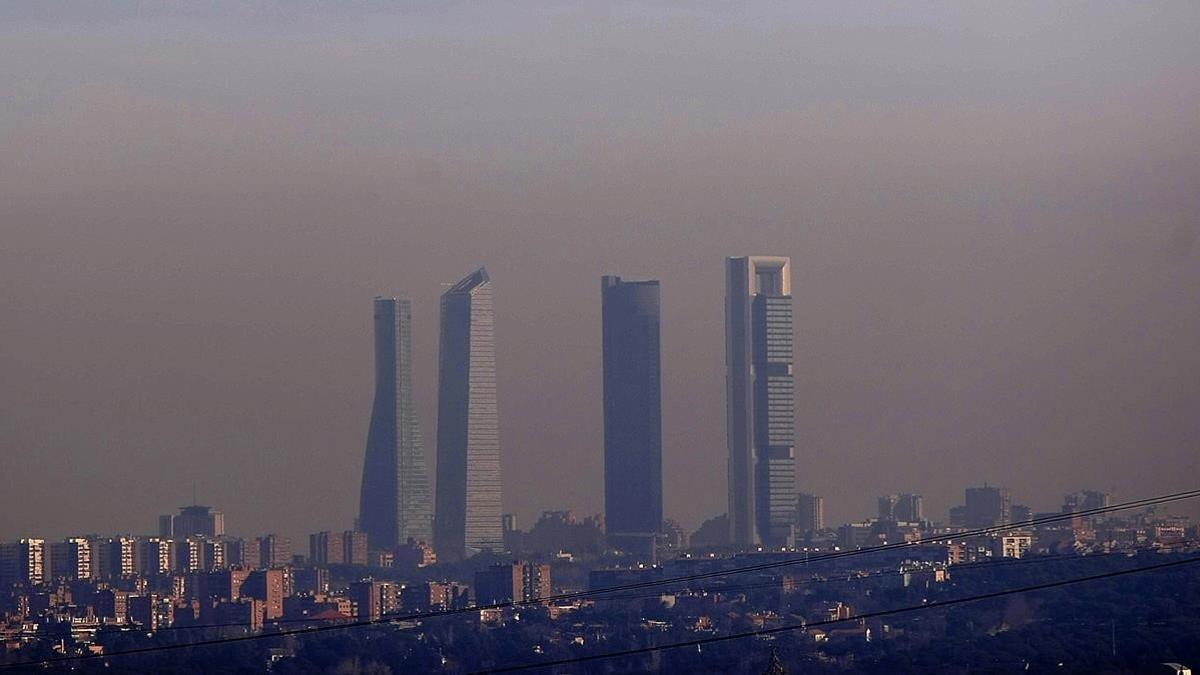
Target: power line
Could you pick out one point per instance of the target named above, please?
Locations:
(343, 625)
(1058, 517)
(987, 564)
(859, 617)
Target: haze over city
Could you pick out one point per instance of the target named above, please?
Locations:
(991, 215)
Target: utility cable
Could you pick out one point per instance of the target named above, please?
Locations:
(858, 617)
(343, 625)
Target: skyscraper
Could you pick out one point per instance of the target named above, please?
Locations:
(760, 400)
(196, 519)
(467, 519)
(987, 506)
(632, 413)
(810, 513)
(394, 503)
(903, 508)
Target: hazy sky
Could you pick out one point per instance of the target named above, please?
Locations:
(992, 209)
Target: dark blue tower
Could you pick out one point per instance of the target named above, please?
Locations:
(633, 509)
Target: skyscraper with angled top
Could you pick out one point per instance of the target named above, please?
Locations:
(633, 510)
(468, 516)
(394, 503)
(760, 400)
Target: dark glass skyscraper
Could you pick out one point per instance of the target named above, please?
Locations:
(394, 503)
(632, 413)
(468, 517)
(760, 399)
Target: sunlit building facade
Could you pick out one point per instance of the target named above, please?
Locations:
(467, 519)
(760, 399)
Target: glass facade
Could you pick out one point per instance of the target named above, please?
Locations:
(468, 514)
(632, 413)
(761, 400)
(394, 503)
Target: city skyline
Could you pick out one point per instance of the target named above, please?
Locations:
(109, 590)
(893, 365)
(758, 323)
(990, 212)
(470, 299)
(774, 271)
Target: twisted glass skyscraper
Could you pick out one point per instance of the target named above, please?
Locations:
(761, 400)
(394, 503)
(468, 518)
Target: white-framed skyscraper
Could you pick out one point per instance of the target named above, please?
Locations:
(467, 519)
(394, 503)
(760, 400)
